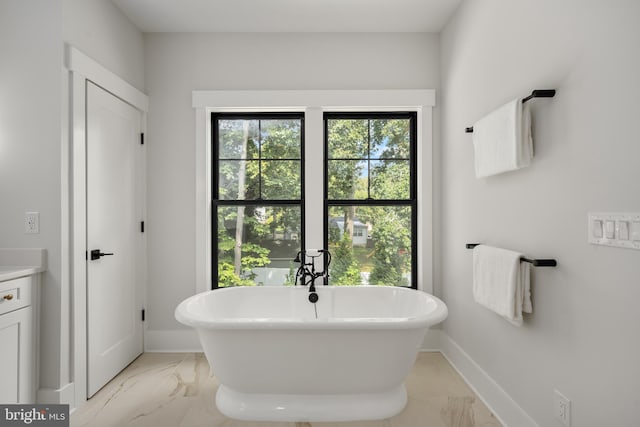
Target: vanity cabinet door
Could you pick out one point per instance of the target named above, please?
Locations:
(16, 356)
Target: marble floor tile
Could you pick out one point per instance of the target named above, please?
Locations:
(433, 376)
(177, 390)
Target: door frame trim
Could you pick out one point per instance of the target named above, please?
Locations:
(82, 69)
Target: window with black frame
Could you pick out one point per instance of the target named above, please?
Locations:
(370, 198)
(258, 194)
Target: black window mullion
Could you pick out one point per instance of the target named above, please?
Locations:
(274, 160)
(325, 183)
(215, 154)
(389, 159)
(372, 202)
(414, 244)
(413, 161)
(255, 202)
(301, 161)
(259, 159)
(368, 158)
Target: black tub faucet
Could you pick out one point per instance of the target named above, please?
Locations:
(307, 273)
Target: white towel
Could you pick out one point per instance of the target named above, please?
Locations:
(501, 282)
(502, 139)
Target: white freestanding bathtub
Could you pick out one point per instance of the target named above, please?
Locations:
(276, 361)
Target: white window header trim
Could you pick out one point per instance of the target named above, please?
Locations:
(299, 100)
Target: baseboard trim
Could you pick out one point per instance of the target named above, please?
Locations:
(503, 407)
(62, 395)
(171, 341)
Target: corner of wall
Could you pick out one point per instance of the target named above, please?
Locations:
(171, 341)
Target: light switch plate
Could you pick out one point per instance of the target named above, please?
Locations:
(616, 229)
(634, 231)
(622, 230)
(597, 229)
(610, 229)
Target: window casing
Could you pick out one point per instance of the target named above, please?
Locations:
(313, 103)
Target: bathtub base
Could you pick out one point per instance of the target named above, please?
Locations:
(310, 407)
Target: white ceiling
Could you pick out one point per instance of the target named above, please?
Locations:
(288, 15)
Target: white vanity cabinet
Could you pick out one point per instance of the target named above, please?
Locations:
(18, 335)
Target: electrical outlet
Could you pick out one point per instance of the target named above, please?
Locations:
(561, 408)
(32, 222)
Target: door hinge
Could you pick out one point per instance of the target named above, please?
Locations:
(142, 139)
(142, 226)
(143, 314)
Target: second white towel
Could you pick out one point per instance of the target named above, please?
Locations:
(502, 139)
(501, 282)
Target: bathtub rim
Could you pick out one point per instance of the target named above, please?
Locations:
(435, 316)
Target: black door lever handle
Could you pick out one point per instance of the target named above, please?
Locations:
(96, 254)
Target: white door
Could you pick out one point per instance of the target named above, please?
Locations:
(114, 238)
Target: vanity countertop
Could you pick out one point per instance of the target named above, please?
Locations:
(9, 272)
(15, 263)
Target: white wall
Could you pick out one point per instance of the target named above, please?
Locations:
(583, 336)
(100, 30)
(177, 64)
(30, 158)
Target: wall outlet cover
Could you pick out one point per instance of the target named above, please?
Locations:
(561, 408)
(32, 222)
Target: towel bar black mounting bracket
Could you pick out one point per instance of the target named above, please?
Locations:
(535, 262)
